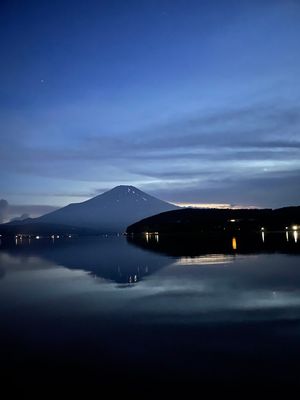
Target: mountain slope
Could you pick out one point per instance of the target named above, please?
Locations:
(111, 211)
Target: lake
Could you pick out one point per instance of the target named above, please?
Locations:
(152, 309)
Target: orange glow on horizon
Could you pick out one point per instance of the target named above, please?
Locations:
(212, 205)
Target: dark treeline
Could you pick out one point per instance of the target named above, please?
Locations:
(210, 220)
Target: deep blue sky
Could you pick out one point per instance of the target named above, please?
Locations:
(192, 101)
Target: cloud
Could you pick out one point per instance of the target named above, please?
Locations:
(268, 190)
(21, 211)
(231, 146)
(10, 212)
(21, 218)
(258, 126)
(3, 210)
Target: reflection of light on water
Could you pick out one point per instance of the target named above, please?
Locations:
(152, 235)
(234, 244)
(295, 234)
(207, 259)
(132, 278)
(287, 236)
(18, 239)
(263, 237)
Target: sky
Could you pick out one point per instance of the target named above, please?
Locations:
(191, 101)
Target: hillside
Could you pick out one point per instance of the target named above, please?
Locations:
(210, 220)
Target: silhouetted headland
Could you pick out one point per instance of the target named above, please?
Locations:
(219, 220)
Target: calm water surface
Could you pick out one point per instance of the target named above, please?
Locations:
(152, 309)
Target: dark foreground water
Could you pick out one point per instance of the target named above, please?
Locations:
(117, 310)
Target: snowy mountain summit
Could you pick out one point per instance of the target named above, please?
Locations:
(111, 211)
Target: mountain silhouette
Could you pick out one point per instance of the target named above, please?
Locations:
(109, 212)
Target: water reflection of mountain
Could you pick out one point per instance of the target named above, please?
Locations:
(110, 258)
(129, 260)
(217, 246)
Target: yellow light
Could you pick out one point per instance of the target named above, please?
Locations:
(295, 227)
(234, 244)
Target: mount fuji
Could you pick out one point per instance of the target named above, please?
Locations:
(109, 212)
